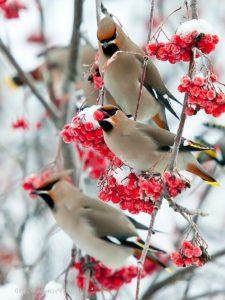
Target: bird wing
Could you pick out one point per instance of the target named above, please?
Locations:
(108, 221)
(153, 78)
(164, 139)
(163, 99)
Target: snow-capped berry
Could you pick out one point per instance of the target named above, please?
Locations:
(85, 130)
(98, 115)
(194, 33)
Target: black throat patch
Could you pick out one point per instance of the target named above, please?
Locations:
(105, 125)
(110, 49)
(48, 200)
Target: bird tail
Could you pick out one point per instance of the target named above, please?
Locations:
(152, 258)
(214, 126)
(141, 244)
(197, 170)
(13, 82)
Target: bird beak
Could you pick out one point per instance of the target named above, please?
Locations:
(36, 192)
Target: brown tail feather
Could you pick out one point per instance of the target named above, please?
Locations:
(160, 121)
(192, 168)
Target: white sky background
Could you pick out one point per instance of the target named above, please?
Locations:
(133, 15)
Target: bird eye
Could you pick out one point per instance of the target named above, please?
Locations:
(111, 112)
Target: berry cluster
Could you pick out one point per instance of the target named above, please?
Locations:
(103, 278)
(203, 94)
(85, 130)
(20, 124)
(191, 34)
(190, 254)
(11, 9)
(96, 78)
(180, 48)
(93, 164)
(138, 193)
(122, 187)
(33, 182)
(174, 184)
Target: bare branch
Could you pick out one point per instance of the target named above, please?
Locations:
(98, 4)
(178, 137)
(147, 243)
(50, 86)
(176, 276)
(194, 9)
(209, 295)
(145, 59)
(105, 11)
(72, 71)
(54, 114)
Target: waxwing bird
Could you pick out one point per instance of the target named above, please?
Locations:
(145, 148)
(95, 227)
(121, 65)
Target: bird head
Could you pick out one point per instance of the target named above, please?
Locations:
(111, 117)
(53, 188)
(107, 36)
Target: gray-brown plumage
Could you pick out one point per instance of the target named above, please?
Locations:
(122, 75)
(145, 148)
(95, 227)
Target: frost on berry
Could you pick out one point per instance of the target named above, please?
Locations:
(203, 93)
(191, 34)
(138, 192)
(105, 279)
(191, 253)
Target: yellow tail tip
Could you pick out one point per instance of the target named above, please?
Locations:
(169, 270)
(211, 153)
(213, 183)
(10, 83)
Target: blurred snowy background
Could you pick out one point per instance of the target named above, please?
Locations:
(32, 251)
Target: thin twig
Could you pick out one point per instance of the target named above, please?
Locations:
(178, 137)
(53, 113)
(46, 53)
(70, 76)
(145, 59)
(209, 295)
(147, 243)
(194, 9)
(72, 70)
(87, 279)
(98, 4)
(105, 11)
(70, 265)
(191, 212)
